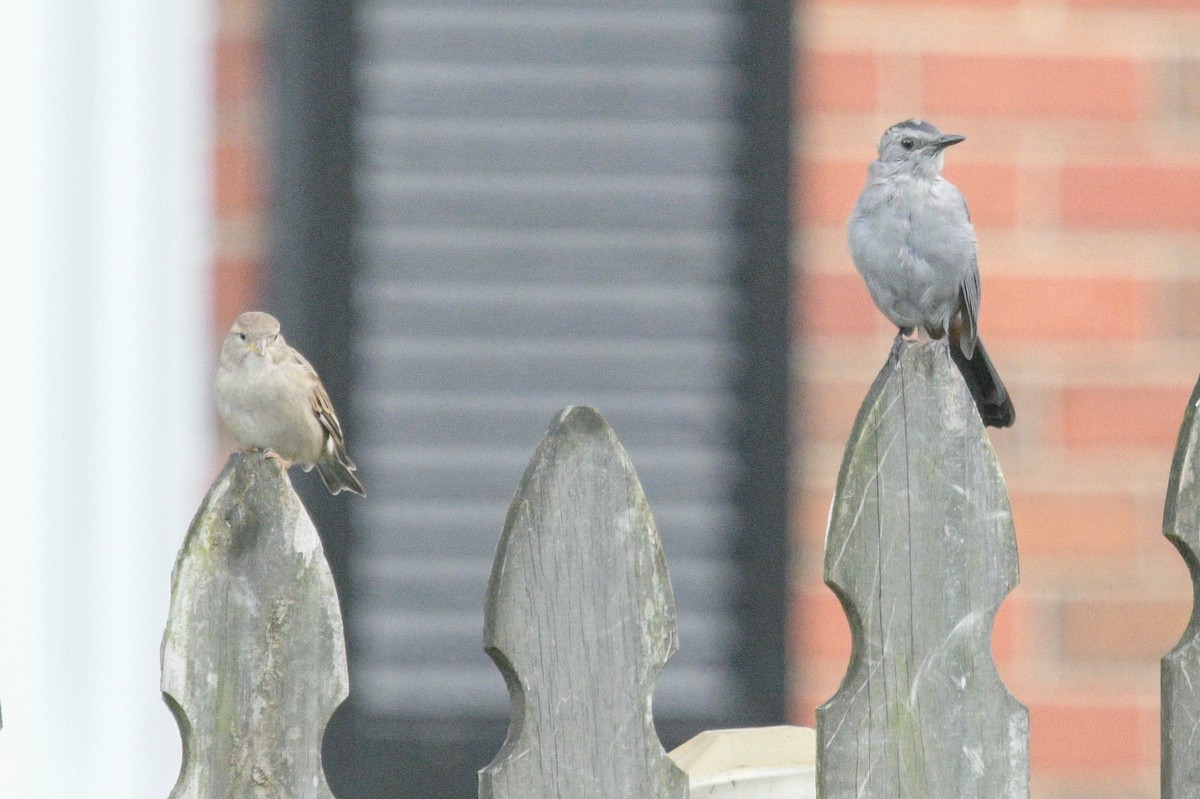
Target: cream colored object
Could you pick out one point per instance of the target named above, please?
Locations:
(754, 763)
(272, 400)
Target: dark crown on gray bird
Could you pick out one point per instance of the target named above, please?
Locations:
(913, 243)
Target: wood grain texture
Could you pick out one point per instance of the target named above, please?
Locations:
(920, 551)
(253, 657)
(580, 619)
(1181, 666)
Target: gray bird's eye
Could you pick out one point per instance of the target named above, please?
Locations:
(242, 336)
(907, 143)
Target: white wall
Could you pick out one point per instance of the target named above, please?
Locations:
(104, 373)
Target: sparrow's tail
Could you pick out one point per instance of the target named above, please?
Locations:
(991, 397)
(338, 475)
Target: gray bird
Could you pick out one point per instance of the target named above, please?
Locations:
(271, 399)
(913, 243)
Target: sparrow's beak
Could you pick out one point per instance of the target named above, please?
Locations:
(258, 345)
(947, 140)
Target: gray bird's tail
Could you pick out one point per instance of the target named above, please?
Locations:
(338, 476)
(991, 397)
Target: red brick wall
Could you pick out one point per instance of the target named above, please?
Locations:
(1082, 170)
(238, 157)
(1091, 310)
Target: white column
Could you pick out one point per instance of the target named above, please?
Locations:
(105, 424)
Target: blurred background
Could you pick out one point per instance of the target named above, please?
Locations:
(470, 214)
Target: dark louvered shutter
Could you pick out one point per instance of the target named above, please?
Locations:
(549, 208)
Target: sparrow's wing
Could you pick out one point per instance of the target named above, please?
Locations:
(323, 409)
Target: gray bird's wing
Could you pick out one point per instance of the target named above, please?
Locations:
(970, 310)
(970, 292)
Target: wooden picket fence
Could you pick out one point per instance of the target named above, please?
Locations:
(580, 621)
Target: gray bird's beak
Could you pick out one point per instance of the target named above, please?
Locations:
(947, 140)
(259, 345)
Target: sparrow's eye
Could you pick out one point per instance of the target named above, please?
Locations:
(242, 336)
(907, 143)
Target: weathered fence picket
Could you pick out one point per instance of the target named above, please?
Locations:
(253, 657)
(580, 619)
(1181, 666)
(920, 551)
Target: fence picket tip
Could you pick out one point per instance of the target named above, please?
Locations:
(921, 552)
(253, 654)
(580, 620)
(1180, 691)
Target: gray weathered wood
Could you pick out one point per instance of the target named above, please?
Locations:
(253, 657)
(1181, 666)
(921, 551)
(580, 619)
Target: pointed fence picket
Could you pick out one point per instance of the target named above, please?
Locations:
(580, 621)
(253, 657)
(1180, 675)
(920, 551)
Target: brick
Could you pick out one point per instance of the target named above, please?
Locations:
(241, 17)
(954, 3)
(1151, 196)
(800, 712)
(1138, 5)
(1136, 416)
(237, 68)
(235, 289)
(1142, 785)
(1011, 629)
(238, 187)
(1097, 733)
(838, 81)
(809, 518)
(835, 305)
(1176, 85)
(1044, 306)
(828, 409)
(819, 625)
(1135, 628)
(1179, 301)
(828, 190)
(1085, 524)
(814, 686)
(990, 189)
(1032, 86)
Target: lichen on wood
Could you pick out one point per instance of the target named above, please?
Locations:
(580, 619)
(253, 656)
(920, 550)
